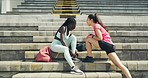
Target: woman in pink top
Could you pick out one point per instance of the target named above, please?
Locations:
(101, 39)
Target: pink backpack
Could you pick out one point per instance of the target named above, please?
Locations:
(44, 55)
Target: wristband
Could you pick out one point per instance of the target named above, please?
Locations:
(93, 36)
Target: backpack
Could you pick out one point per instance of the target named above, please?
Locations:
(44, 55)
(81, 47)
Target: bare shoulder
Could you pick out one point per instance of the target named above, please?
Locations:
(62, 29)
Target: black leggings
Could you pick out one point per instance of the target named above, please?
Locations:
(109, 48)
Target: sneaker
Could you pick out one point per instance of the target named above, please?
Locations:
(76, 70)
(88, 59)
(76, 59)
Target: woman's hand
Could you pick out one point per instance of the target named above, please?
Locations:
(73, 54)
(76, 53)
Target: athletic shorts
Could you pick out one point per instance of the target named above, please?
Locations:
(109, 48)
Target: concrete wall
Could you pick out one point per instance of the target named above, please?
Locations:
(14, 3)
(0, 5)
(7, 5)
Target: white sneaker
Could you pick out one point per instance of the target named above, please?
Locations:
(76, 70)
(76, 59)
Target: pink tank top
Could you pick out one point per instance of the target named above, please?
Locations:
(105, 34)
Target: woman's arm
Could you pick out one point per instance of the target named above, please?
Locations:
(98, 35)
(62, 31)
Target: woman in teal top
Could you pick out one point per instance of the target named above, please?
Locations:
(63, 39)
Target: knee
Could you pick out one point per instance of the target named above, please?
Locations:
(87, 40)
(66, 49)
(66, 52)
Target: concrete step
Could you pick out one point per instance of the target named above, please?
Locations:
(125, 55)
(114, 8)
(33, 8)
(109, 2)
(19, 28)
(120, 14)
(127, 11)
(62, 66)
(41, 24)
(112, 2)
(87, 28)
(128, 20)
(27, 23)
(37, 46)
(68, 75)
(46, 39)
(117, 39)
(79, 28)
(32, 16)
(82, 18)
(40, 2)
(66, 15)
(66, 5)
(77, 33)
(66, 2)
(66, 8)
(65, 11)
(28, 13)
(113, 14)
(35, 5)
(104, 10)
(97, 55)
(111, 5)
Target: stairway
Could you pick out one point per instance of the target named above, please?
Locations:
(66, 8)
(35, 24)
(77, 7)
(114, 7)
(34, 7)
(21, 38)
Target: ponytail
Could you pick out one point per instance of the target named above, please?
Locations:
(96, 19)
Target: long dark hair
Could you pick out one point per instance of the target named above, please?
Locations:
(96, 19)
(70, 23)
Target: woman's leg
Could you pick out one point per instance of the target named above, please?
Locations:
(89, 43)
(72, 41)
(114, 58)
(57, 47)
(60, 48)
